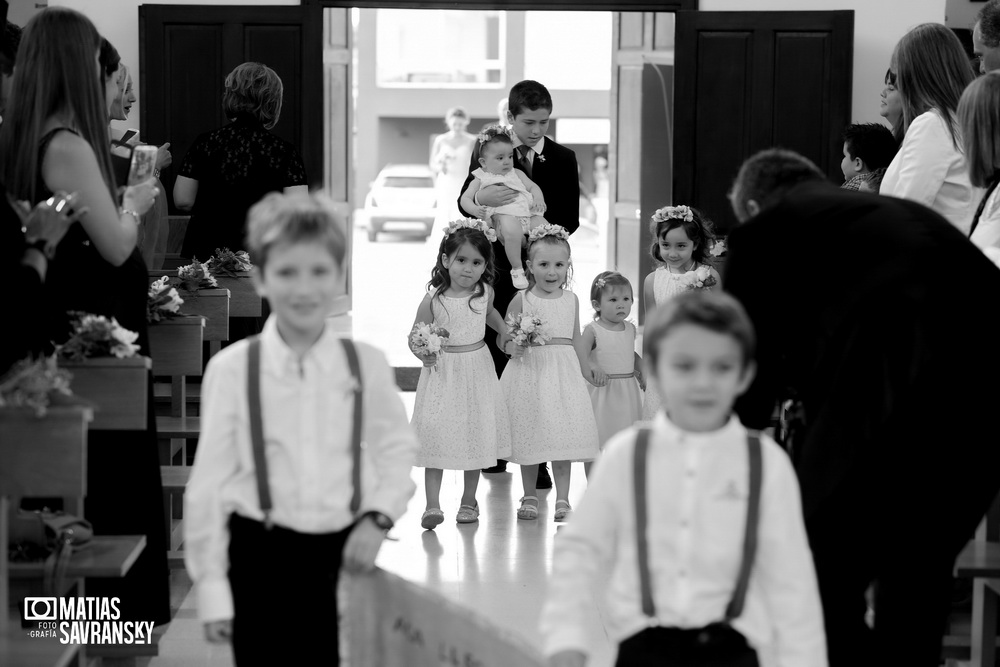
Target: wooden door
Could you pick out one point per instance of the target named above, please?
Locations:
(185, 53)
(745, 81)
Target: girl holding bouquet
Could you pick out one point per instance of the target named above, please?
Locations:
(682, 240)
(551, 415)
(460, 416)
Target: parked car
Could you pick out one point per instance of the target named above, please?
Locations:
(401, 196)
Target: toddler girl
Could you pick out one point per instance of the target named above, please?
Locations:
(682, 238)
(550, 412)
(513, 220)
(460, 416)
(614, 362)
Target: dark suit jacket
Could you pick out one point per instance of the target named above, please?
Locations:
(559, 179)
(882, 318)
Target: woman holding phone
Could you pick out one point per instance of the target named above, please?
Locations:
(54, 138)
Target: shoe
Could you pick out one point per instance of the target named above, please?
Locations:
(526, 511)
(544, 481)
(562, 511)
(468, 514)
(518, 278)
(431, 518)
(501, 466)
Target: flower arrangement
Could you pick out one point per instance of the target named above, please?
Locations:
(673, 213)
(471, 223)
(548, 229)
(97, 336)
(225, 262)
(162, 302)
(718, 248)
(539, 157)
(494, 130)
(700, 278)
(428, 339)
(527, 329)
(196, 276)
(33, 383)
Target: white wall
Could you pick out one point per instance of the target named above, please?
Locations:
(118, 21)
(878, 25)
(961, 13)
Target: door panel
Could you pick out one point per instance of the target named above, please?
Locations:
(751, 80)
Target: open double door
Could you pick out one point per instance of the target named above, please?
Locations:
(693, 95)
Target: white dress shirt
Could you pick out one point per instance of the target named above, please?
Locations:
(698, 485)
(307, 414)
(987, 232)
(930, 169)
(533, 150)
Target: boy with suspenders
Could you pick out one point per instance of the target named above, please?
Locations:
(282, 493)
(693, 523)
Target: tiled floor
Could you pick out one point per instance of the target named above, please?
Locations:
(497, 567)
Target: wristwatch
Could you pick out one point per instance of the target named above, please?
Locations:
(379, 519)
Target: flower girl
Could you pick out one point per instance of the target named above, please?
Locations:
(615, 364)
(682, 239)
(550, 411)
(460, 416)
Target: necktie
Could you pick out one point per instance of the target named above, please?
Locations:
(523, 160)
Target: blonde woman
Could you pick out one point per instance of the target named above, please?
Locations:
(931, 71)
(979, 119)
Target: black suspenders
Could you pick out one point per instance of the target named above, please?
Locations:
(640, 455)
(257, 425)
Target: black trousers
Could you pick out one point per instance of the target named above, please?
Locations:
(716, 645)
(284, 587)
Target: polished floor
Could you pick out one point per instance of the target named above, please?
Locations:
(497, 567)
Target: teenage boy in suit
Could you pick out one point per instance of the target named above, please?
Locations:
(554, 169)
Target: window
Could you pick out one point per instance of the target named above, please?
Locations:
(568, 50)
(440, 48)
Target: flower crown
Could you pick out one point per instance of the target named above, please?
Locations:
(548, 229)
(673, 213)
(491, 131)
(471, 223)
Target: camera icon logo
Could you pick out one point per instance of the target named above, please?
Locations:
(40, 609)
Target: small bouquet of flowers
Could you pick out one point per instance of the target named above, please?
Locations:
(700, 278)
(718, 248)
(34, 383)
(225, 262)
(163, 302)
(527, 329)
(428, 339)
(97, 336)
(196, 276)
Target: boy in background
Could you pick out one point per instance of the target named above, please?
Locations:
(868, 150)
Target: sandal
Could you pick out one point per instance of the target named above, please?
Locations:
(526, 511)
(563, 510)
(468, 514)
(430, 518)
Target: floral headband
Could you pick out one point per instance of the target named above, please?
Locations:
(673, 213)
(548, 230)
(600, 283)
(471, 223)
(491, 131)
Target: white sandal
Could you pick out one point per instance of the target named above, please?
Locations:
(528, 512)
(562, 512)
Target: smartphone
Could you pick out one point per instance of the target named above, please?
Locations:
(128, 136)
(143, 164)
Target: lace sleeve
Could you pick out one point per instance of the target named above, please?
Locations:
(194, 159)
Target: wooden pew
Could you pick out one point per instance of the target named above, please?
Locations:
(46, 457)
(117, 388)
(175, 480)
(176, 345)
(212, 304)
(980, 561)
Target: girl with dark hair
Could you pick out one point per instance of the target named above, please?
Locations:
(682, 238)
(931, 71)
(460, 415)
(55, 139)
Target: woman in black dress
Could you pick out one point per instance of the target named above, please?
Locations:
(54, 138)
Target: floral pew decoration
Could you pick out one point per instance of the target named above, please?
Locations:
(232, 270)
(107, 370)
(175, 338)
(202, 295)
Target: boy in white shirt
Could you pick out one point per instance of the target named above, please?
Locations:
(269, 518)
(672, 549)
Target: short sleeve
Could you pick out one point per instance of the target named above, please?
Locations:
(195, 160)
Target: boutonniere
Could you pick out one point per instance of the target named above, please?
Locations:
(539, 157)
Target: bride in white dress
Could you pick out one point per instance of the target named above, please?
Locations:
(451, 154)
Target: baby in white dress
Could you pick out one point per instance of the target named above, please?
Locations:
(514, 220)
